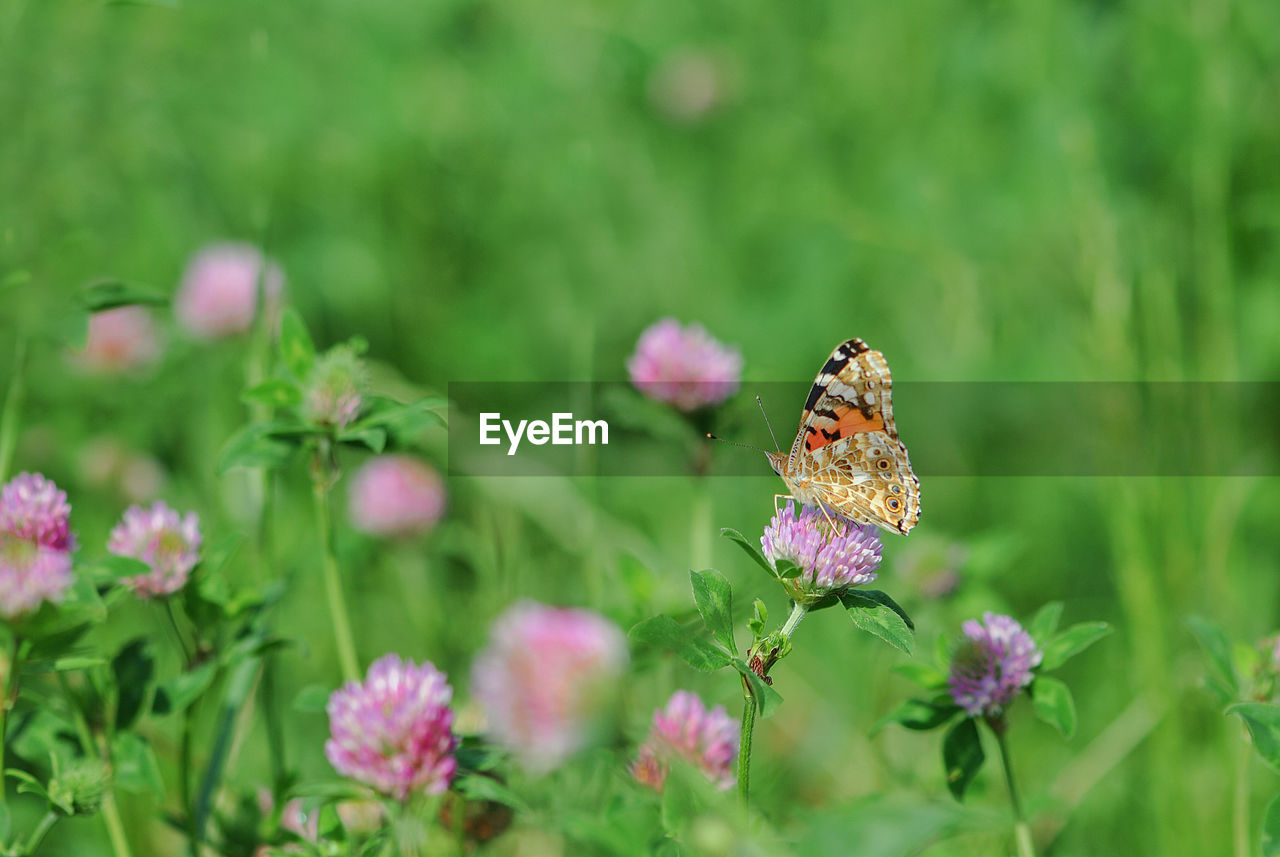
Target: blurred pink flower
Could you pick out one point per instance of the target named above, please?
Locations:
(394, 732)
(395, 495)
(35, 544)
(688, 85)
(684, 366)
(546, 679)
(106, 463)
(120, 339)
(164, 540)
(219, 292)
(687, 731)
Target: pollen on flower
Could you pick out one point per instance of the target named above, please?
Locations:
(687, 731)
(35, 544)
(684, 366)
(394, 731)
(165, 540)
(546, 679)
(992, 663)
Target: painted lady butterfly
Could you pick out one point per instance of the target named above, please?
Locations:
(847, 459)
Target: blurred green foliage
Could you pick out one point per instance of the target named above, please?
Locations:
(1083, 190)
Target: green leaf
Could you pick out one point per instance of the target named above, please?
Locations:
(1271, 829)
(752, 551)
(177, 693)
(766, 698)
(373, 438)
(27, 784)
(312, 698)
(1054, 705)
(399, 419)
(115, 567)
(480, 787)
(275, 392)
(1263, 722)
(670, 634)
(1045, 623)
(757, 622)
(1072, 642)
(134, 764)
(1218, 650)
(928, 677)
(918, 714)
(788, 570)
(109, 294)
(714, 599)
(877, 614)
(132, 668)
(296, 348)
(962, 756)
(253, 446)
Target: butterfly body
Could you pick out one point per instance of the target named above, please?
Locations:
(847, 458)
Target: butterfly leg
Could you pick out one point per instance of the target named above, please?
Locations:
(782, 496)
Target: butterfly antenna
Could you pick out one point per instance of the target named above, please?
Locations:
(735, 443)
(770, 425)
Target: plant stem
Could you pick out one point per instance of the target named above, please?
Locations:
(115, 827)
(110, 810)
(8, 688)
(1021, 830)
(744, 745)
(1240, 817)
(322, 478)
(177, 633)
(12, 408)
(37, 835)
(797, 613)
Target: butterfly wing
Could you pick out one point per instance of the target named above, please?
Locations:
(847, 454)
(867, 477)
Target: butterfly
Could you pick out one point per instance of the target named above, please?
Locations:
(846, 458)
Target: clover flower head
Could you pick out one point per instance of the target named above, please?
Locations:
(992, 663)
(218, 296)
(684, 366)
(394, 731)
(830, 558)
(163, 539)
(395, 495)
(120, 339)
(35, 544)
(546, 679)
(687, 730)
(333, 393)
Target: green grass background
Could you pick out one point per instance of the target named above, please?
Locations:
(485, 190)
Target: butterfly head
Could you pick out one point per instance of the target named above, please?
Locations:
(777, 461)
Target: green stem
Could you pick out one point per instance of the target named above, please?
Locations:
(12, 408)
(184, 779)
(322, 478)
(37, 835)
(798, 611)
(177, 633)
(115, 827)
(110, 811)
(8, 688)
(744, 744)
(1021, 830)
(1240, 817)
